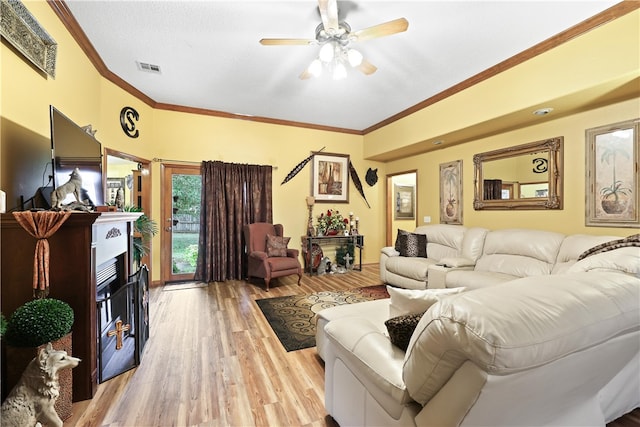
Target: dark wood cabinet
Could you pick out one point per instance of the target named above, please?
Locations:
(77, 250)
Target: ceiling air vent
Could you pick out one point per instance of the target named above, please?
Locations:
(151, 68)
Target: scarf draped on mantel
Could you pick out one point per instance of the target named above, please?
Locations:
(41, 225)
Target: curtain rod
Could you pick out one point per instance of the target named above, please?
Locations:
(155, 159)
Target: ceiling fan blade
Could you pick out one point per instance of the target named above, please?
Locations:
(305, 75)
(283, 42)
(367, 67)
(329, 14)
(392, 27)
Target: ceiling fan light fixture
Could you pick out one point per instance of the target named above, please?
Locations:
(354, 57)
(327, 52)
(339, 71)
(315, 68)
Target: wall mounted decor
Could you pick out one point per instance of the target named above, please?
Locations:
(297, 168)
(371, 177)
(357, 183)
(451, 192)
(24, 33)
(405, 202)
(515, 178)
(330, 178)
(128, 118)
(612, 180)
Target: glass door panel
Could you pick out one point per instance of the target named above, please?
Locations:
(181, 221)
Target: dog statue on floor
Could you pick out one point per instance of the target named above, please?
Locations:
(32, 400)
(73, 186)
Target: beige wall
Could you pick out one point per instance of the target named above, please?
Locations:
(568, 220)
(84, 96)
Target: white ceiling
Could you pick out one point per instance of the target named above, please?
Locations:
(210, 58)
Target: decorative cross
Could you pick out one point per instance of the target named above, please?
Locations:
(118, 333)
(347, 258)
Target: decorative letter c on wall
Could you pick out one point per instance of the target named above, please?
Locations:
(127, 117)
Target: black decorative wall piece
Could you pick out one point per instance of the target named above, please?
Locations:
(128, 117)
(371, 177)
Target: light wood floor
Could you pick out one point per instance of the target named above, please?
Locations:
(213, 360)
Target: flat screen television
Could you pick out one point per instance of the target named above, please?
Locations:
(73, 147)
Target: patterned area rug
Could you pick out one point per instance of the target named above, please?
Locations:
(292, 317)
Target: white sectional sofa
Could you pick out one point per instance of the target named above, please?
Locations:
(557, 348)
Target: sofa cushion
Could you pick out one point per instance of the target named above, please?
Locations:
(520, 252)
(562, 314)
(625, 259)
(370, 356)
(401, 328)
(475, 279)
(415, 301)
(443, 240)
(376, 311)
(411, 244)
(277, 245)
(411, 267)
(573, 246)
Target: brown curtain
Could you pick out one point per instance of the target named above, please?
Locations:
(41, 225)
(232, 195)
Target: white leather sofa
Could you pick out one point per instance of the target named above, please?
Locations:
(560, 346)
(443, 241)
(479, 257)
(554, 350)
(513, 253)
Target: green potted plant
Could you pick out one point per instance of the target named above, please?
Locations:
(144, 229)
(32, 326)
(39, 322)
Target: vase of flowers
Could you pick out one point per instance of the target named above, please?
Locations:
(331, 222)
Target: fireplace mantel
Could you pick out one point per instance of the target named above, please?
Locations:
(72, 268)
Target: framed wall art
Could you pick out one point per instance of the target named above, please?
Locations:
(451, 192)
(405, 202)
(330, 178)
(27, 36)
(612, 181)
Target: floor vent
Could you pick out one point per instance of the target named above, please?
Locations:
(151, 68)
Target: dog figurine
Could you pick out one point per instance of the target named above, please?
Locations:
(32, 400)
(73, 186)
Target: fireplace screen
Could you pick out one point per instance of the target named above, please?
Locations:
(123, 324)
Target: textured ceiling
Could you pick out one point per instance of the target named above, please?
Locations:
(210, 58)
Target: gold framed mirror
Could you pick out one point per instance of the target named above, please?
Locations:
(527, 176)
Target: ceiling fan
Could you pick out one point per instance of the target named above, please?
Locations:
(335, 39)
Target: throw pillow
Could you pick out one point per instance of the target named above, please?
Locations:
(401, 328)
(411, 244)
(630, 241)
(412, 301)
(400, 233)
(277, 245)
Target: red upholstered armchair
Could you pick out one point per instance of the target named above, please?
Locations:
(260, 264)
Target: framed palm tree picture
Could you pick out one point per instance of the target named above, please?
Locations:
(612, 175)
(451, 192)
